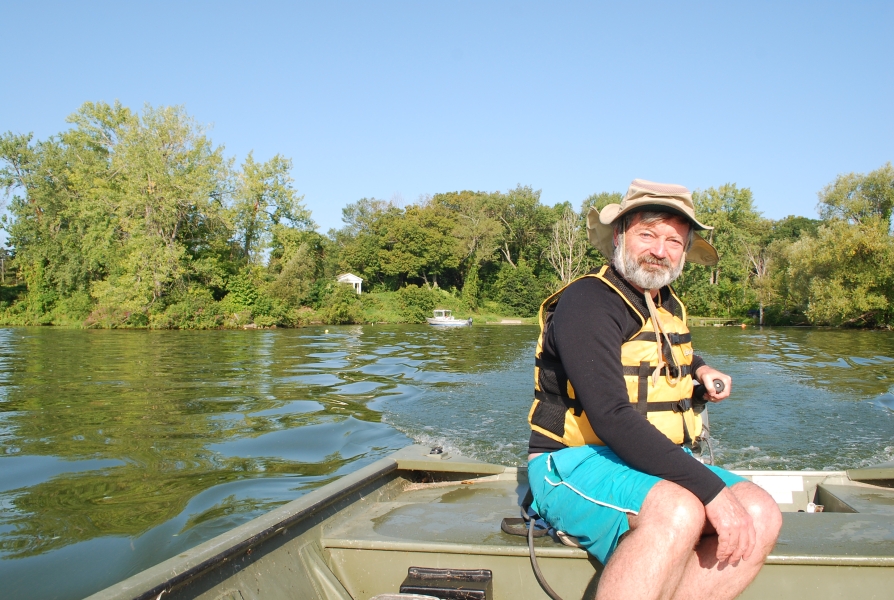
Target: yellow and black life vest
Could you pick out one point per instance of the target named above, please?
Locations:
(664, 398)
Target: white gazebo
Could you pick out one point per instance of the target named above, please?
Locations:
(351, 279)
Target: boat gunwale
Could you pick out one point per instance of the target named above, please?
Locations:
(832, 561)
(751, 473)
(208, 554)
(564, 552)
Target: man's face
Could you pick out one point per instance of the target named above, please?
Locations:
(654, 252)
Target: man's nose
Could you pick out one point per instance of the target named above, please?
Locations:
(659, 249)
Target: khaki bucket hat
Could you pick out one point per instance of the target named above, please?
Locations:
(648, 195)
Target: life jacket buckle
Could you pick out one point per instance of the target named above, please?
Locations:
(683, 405)
(673, 375)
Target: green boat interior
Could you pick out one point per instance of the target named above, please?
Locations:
(359, 537)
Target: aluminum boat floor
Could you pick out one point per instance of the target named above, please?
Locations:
(450, 517)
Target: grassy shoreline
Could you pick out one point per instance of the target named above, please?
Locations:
(376, 308)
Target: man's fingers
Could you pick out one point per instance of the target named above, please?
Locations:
(712, 380)
(723, 546)
(731, 547)
(741, 541)
(728, 547)
(736, 555)
(735, 532)
(736, 537)
(728, 541)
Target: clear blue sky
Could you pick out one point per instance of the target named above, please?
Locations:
(399, 99)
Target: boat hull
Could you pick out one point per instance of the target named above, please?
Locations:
(356, 538)
(450, 322)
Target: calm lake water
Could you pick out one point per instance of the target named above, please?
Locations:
(119, 449)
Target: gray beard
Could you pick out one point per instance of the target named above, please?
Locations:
(635, 271)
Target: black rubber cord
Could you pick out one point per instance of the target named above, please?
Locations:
(540, 579)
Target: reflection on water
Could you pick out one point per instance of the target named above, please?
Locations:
(120, 449)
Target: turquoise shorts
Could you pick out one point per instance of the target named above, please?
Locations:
(587, 492)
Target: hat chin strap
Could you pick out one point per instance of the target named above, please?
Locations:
(659, 331)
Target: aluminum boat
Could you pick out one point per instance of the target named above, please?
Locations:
(440, 513)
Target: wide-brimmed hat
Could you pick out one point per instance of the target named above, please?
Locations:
(658, 197)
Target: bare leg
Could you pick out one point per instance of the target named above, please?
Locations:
(651, 560)
(665, 555)
(704, 577)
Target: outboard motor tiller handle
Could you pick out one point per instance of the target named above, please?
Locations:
(699, 402)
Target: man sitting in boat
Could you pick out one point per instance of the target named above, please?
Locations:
(613, 420)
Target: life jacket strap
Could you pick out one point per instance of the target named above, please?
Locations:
(679, 406)
(672, 370)
(687, 439)
(642, 392)
(566, 402)
(676, 339)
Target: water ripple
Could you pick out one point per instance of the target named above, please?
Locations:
(121, 449)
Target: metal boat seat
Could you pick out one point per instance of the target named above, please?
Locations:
(856, 498)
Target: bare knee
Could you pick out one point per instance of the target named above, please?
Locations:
(685, 511)
(674, 512)
(764, 511)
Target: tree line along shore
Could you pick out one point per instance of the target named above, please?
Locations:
(137, 220)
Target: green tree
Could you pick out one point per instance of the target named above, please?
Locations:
(299, 269)
(471, 284)
(845, 274)
(264, 199)
(600, 200)
(476, 231)
(166, 200)
(419, 243)
(417, 303)
(857, 197)
(358, 243)
(341, 307)
(839, 271)
(792, 227)
(526, 224)
(567, 252)
(759, 254)
(519, 290)
(728, 288)
(60, 224)
(127, 214)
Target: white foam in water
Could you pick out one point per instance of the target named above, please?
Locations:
(446, 444)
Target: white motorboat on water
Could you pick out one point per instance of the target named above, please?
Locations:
(444, 318)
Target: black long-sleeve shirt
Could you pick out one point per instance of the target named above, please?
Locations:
(590, 323)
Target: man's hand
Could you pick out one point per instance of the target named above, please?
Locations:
(735, 530)
(707, 375)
